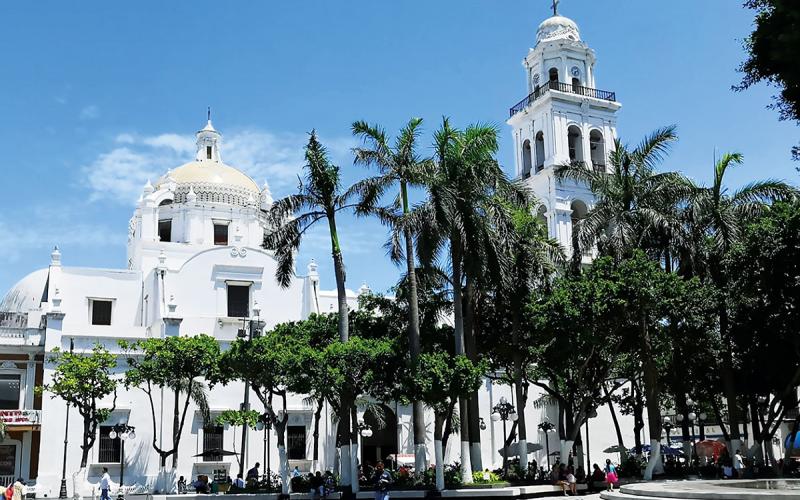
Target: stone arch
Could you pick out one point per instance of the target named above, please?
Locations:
(527, 158)
(575, 143)
(383, 441)
(539, 150)
(597, 145)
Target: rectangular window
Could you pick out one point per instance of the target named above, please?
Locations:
(212, 440)
(8, 460)
(101, 312)
(165, 230)
(238, 301)
(109, 448)
(221, 234)
(208, 152)
(9, 392)
(296, 442)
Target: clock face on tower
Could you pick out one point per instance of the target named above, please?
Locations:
(576, 71)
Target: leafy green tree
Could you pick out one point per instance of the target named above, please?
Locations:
(764, 269)
(238, 418)
(439, 380)
(466, 219)
(714, 220)
(179, 364)
(320, 197)
(772, 50)
(400, 165)
(82, 381)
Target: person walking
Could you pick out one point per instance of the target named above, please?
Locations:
(738, 465)
(19, 487)
(105, 485)
(611, 475)
(381, 479)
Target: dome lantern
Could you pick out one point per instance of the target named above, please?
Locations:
(208, 142)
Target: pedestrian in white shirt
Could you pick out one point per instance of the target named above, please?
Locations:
(105, 485)
(738, 464)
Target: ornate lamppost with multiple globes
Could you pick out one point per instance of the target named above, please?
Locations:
(123, 431)
(504, 411)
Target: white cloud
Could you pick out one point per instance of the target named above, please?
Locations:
(120, 173)
(89, 112)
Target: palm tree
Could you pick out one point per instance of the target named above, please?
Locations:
(632, 204)
(319, 197)
(399, 165)
(465, 219)
(630, 201)
(715, 219)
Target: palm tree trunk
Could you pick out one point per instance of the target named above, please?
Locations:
(341, 291)
(652, 396)
(438, 450)
(470, 331)
(458, 325)
(614, 418)
(355, 472)
(417, 411)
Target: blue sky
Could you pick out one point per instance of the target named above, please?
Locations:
(98, 96)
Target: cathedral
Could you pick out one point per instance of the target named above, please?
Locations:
(195, 265)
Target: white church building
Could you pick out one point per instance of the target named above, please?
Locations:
(195, 265)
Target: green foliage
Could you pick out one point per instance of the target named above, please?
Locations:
(171, 361)
(772, 50)
(82, 380)
(238, 418)
(439, 379)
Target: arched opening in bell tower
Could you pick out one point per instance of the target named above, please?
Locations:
(579, 211)
(575, 142)
(598, 153)
(541, 214)
(553, 75)
(539, 151)
(527, 160)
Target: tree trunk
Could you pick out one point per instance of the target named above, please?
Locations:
(175, 431)
(355, 472)
(317, 416)
(614, 419)
(343, 441)
(521, 400)
(417, 410)
(438, 450)
(471, 351)
(458, 323)
(652, 396)
(638, 416)
(727, 371)
(283, 460)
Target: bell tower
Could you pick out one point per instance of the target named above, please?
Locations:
(564, 118)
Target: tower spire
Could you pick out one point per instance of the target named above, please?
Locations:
(209, 113)
(555, 7)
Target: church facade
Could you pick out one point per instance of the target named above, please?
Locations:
(195, 265)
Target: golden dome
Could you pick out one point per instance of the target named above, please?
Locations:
(210, 172)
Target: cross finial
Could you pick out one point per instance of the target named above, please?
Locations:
(209, 113)
(555, 7)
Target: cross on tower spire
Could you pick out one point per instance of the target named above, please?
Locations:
(555, 7)
(209, 113)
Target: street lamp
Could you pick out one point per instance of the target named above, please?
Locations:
(62, 492)
(504, 411)
(482, 424)
(247, 332)
(364, 429)
(546, 427)
(265, 423)
(591, 415)
(701, 419)
(667, 427)
(124, 432)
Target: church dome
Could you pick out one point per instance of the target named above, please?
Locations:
(27, 295)
(557, 27)
(207, 178)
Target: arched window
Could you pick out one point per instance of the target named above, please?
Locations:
(579, 211)
(539, 151)
(576, 86)
(598, 147)
(553, 75)
(575, 142)
(527, 161)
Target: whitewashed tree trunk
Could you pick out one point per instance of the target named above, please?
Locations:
(580, 457)
(80, 476)
(344, 464)
(654, 465)
(354, 467)
(566, 448)
(439, 458)
(522, 450)
(420, 459)
(283, 469)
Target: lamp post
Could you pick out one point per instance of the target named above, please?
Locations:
(247, 333)
(504, 411)
(701, 420)
(667, 427)
(265, 423)
(591, 415)
(762, 407)
(62, 492)
(546, 427)
(123, 432)
(365, 431)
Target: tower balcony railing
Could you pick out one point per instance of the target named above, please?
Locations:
(561, 87)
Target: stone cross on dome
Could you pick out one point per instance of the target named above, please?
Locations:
(555, 7)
